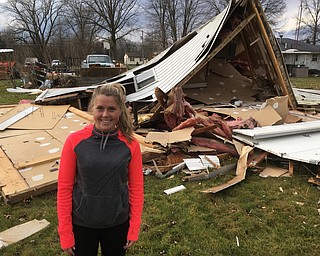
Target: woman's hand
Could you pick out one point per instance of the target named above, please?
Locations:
(129, 244)
(70, 251)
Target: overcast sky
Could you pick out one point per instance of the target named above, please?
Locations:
(289, 17)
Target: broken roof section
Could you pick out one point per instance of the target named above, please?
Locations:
(235, 43)
(233, 56)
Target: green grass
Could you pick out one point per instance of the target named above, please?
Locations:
(265, 220)
(12, 98)
(306, 82)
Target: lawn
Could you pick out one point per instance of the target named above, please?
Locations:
(258, 216)
(306, 82)
(12, 98)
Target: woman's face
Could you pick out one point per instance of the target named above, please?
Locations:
(106, 113)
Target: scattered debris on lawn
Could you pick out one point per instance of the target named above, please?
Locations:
(174, 190)
(221, 98)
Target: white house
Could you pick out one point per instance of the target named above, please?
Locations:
(300, 56)
(133, 59)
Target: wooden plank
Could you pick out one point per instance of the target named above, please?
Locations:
(22, 231)
(10, 180)
(272, 55)
(34, 191)
(39, 160)
(291, 165)
(81, 113)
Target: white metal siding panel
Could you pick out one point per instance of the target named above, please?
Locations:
(299, 147)
(179, 64)
(280, 130)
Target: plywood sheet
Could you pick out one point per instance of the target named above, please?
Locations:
(221, 90)
(265, 116)
(30, 158)
(40, 174)
(10, 180)
(10, 133)
(28, 147)
(45, 117)
(225, 69)
(67, 124)
(4, 110)
(17, 117)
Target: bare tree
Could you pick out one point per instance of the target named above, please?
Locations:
(34, 22)
(116, 17)
(195, 12)
(82, 31)
(217, 6)
(311, 20)
(173, 19)
(156, 13)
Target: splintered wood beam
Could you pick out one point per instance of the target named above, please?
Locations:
(291, 165)
(271, 52)
(255, 161)
(81, 113)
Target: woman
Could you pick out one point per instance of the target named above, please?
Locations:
(100, 182)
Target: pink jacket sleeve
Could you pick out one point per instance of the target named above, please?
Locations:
(66, 179)
(136, 196)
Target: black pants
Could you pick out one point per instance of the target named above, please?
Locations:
(112, 240)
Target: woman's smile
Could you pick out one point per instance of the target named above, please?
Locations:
(106, 113)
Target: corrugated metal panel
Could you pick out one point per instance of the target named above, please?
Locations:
(280, 130)
(61, 91)
(299, 147)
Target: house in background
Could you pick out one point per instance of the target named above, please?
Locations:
(301, 59)
(134, 59)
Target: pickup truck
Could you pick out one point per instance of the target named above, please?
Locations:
(97, 60)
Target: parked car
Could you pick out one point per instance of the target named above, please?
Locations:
(55, 63)
(99, 60)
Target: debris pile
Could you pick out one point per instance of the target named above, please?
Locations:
(246, 135)
(218, 100)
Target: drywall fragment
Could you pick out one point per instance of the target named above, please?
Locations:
(174, 190)
(22, 231)
(274, 172)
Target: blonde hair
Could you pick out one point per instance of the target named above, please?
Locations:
(118, 92)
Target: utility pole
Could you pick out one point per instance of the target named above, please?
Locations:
(297, 32)
(142, 50)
